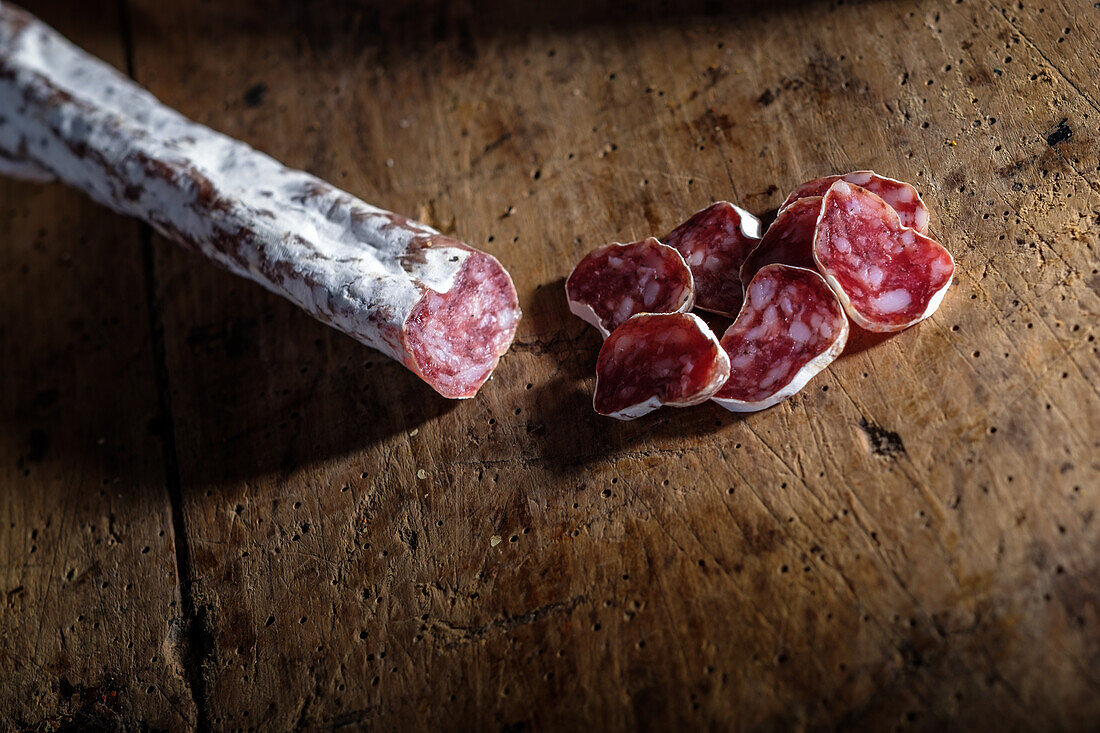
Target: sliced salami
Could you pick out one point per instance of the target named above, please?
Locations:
(900, 195)
(615, 282)
(658, 359)
(790, 328)
(887, 276)
(788, 241)
(442, 308)
(714, 243)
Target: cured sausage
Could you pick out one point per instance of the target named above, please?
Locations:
(23, 169)
(789, 240)
(658, 359)
(714, 243)
(887, 276)
(614, 282)
(790, 328)
(442, 308)
(900, 195)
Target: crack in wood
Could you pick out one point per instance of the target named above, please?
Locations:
(467, 634)
(196, 644)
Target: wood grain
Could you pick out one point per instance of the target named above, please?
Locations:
(91, 629)
(911, 541)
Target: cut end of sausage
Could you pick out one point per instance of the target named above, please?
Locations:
(457, 337)
(715, 243)
(658, 359)
(901, 196)
(614, 282)
(790, 328)
(888, 276)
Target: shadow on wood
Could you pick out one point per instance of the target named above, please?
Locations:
(275, 389)
(860, 339)
(76, 372)
(420, 25)
(271, 389)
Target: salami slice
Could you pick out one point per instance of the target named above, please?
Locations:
(900, 195)
(658, 359)
(442, 308)
(887, 276)
(790, 328)
(789, 240)
(613, 283)
(714, 243)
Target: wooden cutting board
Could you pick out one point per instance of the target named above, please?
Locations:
(218, 513)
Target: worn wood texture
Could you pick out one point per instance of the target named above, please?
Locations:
(91, 629)
(910, 542)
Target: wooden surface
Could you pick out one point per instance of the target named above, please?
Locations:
(218, 514)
